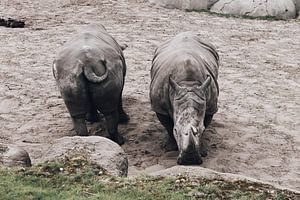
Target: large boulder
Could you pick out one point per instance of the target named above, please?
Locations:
(281, 9)
(297, 4)
(13, 155)
(185, 4)
(201, 172)
(98, 150)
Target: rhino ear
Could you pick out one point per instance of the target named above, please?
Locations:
(54, 69)
(174, 85)
(206, 83)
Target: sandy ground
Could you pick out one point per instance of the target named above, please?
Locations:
(256, 131)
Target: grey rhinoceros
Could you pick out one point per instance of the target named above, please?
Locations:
(90, 71)
(184, 92)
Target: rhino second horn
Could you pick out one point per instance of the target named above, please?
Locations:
(174, 85)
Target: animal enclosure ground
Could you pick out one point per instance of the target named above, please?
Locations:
(255, 132)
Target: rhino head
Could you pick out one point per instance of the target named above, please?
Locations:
(189, 106)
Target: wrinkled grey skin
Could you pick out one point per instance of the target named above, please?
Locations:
(90, 71)
(184, 92)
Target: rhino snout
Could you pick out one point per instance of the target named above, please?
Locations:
(186, 158)
(189, 154)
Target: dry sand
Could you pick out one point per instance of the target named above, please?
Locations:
(256, 132)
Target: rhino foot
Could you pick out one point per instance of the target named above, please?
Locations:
(203, 152)
(119, 139)
(123, 118)
(170, 145)
(80, 127)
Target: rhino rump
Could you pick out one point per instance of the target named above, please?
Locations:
(79, 93)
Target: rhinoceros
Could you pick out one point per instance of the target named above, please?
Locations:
(90, 71)
(184, 92)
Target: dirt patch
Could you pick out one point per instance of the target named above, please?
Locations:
(256, 131)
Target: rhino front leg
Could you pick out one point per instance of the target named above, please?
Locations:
(167, 122)
(207, 119)
(80, 126)
(112, 120)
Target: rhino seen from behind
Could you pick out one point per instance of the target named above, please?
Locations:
(184, 92)
(90, 71)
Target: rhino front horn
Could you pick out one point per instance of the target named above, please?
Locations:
(194, 130)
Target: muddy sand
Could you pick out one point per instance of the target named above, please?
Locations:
(256, 131)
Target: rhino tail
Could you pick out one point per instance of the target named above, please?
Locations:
(92, 76)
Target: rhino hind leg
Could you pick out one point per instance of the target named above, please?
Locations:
(93, 115)
(77, 101)
(112, 120)
(167, 122)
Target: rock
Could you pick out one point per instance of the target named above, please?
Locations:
(12, 23)
(185, 4)
(99, 150)
(281, 9)
(12, 155)
(196, 171)
(297, 4)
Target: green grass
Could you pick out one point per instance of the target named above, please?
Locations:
(269, 18)
(79, 179)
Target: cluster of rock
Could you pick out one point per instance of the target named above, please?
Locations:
(280, 9)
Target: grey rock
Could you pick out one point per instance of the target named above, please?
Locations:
(196, 171)
(99, 150)
(297, 4)
(13, 155)
(281, 9)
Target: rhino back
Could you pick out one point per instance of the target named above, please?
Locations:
(169, 60)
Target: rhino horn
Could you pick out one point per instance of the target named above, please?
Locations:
(194, 130)
(206, 83)
(174, 85)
